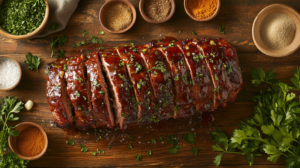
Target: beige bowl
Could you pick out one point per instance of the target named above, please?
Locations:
(32, 34)
(12, 140)
(187, 10)
(6, 88)
(294, 46)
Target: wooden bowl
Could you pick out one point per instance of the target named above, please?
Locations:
(12, 140)
(187, 10)
(6, 88)
(104, 8)
(32, 34)
(294, 46)
(141, 6)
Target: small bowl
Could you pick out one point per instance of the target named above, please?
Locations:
(141, 6)
(12, 140)
(6, 88)
(104, 8)
(32, 34)
(294, 46)
(187, 10)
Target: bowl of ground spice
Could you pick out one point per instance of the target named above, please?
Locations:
(157, 11)
(202, 10)
(276, 30)
(32, 142)
(23, 19)
(117, 16)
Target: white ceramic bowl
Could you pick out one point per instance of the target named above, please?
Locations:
(3, 87)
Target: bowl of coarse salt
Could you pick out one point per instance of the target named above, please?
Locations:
(276, 30)
(10, 73)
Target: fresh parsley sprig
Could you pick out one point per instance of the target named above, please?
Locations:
(57, 42)
(8, 109)
(274, 129)
(33, 62)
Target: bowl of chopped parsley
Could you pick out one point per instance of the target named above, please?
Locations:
(23, 19)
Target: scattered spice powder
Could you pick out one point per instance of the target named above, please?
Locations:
(118, 16)
(31, 141)
(277, 30)
(157, 10)
(202, 9)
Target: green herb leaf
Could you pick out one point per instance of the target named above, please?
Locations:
(149, 153)
(84, 33)
(130, 147)
(83, 148)
(218, 159)
(101, 32)
(138, 157)
(195, 150)
(94, 153)
(190, 138)
(53, 27)
(70, 142)
(60, 54)
(222, 29)
(33, 62)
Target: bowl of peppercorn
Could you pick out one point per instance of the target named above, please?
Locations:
(157, 11)
(23, 20)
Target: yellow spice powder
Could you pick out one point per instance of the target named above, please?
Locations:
(202, 9)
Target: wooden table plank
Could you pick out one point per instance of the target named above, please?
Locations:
(237, 16)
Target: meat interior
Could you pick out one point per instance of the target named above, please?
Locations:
(163, 79)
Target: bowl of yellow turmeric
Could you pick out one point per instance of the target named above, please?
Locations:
(202, 10)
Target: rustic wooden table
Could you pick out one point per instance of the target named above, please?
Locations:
(237, 16)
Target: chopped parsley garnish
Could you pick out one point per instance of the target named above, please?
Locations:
(94, 153)
(138, 67)
(95, 83)
(222, 29)
(123, 115)
(184, 78)
(138, 157)
(190, 138)
(195, 150)
(84, 33)
(121, 76)
(121, 63)
(176, 78)
(216, 89)
(77, 93)
(108, 148)
(216, 77)
(74, 46)
(83, 148)
(149, 153)
(194, 32)
(199, 75)
(175, 148)
(160, 139)
(196, 58)
(132, 44)
(80, 79)
(160, 66)
(156, 52)
(101, 48)
(101, 32)
(138, 86)
(129, 147)
(70, 142)
(176, 108)
(180, 31)
(153, 141)
(228, 70)
(53, 26)
(102, 92)
(84, 97)
(44, 122)
(57, 42)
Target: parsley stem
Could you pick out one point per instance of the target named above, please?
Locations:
(291, 153)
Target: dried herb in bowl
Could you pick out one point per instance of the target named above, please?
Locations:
(20, 17)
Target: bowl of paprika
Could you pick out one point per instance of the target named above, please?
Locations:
(202, 10)
(32, 142)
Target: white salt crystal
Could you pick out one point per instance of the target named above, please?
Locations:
(9, 73)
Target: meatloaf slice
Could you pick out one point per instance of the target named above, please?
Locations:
(78, 88)
(57, 97)
(201, 78)
(161, 81)
(103, 115)
(184, 97)
(124, 104)
(141, 83)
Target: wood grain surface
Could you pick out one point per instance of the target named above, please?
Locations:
(236, 15)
